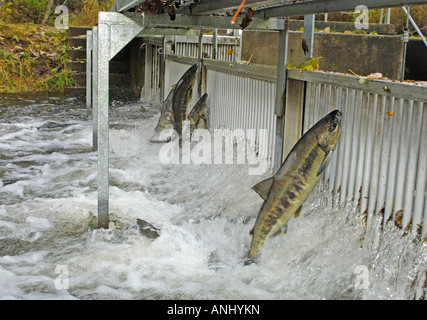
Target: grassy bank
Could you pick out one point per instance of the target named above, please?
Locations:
(33, 58)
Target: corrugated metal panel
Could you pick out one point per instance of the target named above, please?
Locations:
(154, 67)
(381, 157)
(173, 72)
(246, 103)
(188, 47)
(380, 161)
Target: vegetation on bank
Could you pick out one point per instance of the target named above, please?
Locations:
(33, 57)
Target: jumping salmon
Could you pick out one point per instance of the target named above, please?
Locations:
(166, 120)
(182, 96)
(199, 115)
(286, 191)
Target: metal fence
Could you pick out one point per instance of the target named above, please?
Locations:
(154, 66)
(228, 47)
(380, 161)
(240, 101)
(174, 69)
(241, 97)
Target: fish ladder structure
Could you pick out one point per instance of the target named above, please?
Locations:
(380, 161)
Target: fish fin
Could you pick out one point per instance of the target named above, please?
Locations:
(297, 213)
(282, 230)
(252, 231)
(263, 187)
(324, 163)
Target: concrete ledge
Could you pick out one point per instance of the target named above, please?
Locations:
(338, 26)
(363, 54)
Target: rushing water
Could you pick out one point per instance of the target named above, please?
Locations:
(49, 248)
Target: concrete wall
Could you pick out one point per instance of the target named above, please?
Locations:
(363, 54)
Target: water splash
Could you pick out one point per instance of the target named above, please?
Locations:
(204, 213)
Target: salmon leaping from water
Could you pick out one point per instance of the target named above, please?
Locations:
(285, 192)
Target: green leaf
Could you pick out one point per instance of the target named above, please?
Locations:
(363, 80)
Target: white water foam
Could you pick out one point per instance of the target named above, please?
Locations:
(204, 213)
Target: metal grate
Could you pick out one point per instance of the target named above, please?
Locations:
(381, 158)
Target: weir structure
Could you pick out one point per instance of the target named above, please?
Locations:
(382, 157)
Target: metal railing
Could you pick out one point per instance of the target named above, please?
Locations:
(381, 158)
(241, 97)
(228, 47)
(380, 161)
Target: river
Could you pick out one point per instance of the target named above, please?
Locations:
(50, 248)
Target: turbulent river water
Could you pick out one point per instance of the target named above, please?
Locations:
(50, 248)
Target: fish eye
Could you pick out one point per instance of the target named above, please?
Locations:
(333, 125)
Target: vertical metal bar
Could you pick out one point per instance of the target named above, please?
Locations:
(421, 185)
(309, 34)
(378, 119)
(215, 43)
(394, 158)
(340, 147)
(89, 46)
(387, 16)
(402, 166)
(95, 90)
(199, 70)
(154, 74)
(387, 106)
(405, 40)
(424, 230)
(354, 141)
(369, 150)
(280, 92)
(163, 94)
(346, 138)
(413, 24)
(103, 139)
(148, 70)
(363, 122)
(411, 177)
